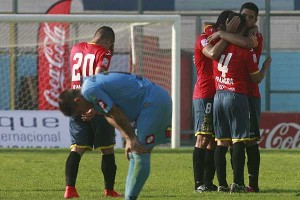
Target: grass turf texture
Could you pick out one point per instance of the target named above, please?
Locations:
(39, 174)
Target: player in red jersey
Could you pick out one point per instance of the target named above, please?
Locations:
(86, 59)
(232, 72)
(204, 91)
(253, 41)
(250, 11)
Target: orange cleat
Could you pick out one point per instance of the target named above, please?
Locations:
(71, 192)
(112, 193)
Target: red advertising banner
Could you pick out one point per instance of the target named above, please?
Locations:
(53, 58)
(280, 130)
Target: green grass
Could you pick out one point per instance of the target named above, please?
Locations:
(39, 174)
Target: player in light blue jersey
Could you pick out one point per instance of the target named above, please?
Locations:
(138, 108)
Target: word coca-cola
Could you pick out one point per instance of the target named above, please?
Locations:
(282, 135)
(54, 52)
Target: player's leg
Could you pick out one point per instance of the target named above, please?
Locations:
(252, 149)
(79, 133)
(105, 141)
(199, 161)
(210, 169)
(203, 126)
(152, 128)
(138, 173)
(223, 137)
(240, 134)
(253, 155)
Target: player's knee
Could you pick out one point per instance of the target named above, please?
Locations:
(251, 143)
(80, 151)
(202, 141)
(212, 144)
(109, 150)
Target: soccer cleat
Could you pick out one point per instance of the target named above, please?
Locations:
(112, 193)
(223, 189)
(235, 188)
(70, 192)
(251, 189)
(203, 188)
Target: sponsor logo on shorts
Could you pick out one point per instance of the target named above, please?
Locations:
(168, 132)
(102, 104)
(150, 139)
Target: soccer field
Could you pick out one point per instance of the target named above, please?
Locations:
(39, 174)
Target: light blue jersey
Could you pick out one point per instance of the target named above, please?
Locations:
(127, 91)
(143, 102)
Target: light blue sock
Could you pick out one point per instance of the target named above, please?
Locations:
(138, 173)
(130, 170)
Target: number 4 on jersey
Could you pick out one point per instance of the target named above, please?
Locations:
(223, 67)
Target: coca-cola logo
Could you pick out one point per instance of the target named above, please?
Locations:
(282, 135)
(54, 52)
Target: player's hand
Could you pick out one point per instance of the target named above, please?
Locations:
(213, 37)
(267, 63)
(233, 24)
(137, 147)
(132, 145)
(127, 148)
(88, 115)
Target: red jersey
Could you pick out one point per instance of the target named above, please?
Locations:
(85, 58)
(232, 70)
(204, 86)
(253, 89)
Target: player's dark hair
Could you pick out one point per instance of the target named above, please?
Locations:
(242, 24)
(105, 32)
(66, 101)
(221, 21)
(250, 6)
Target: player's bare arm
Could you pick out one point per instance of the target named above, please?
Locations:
(257, 77)
(248, 42)
(236, 39)
(214, 52)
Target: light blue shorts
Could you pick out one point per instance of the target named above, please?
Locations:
(153, 125)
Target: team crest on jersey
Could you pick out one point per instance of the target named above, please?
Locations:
(150, 139)
(254, 58)
(168, 132)
(105, 62)
(101, 104)
(204, 42)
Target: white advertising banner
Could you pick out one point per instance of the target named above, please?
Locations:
(36, 129)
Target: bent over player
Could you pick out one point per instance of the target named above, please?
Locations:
(125, 99)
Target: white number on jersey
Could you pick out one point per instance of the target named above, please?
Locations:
(223, 67)
(88, 61)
